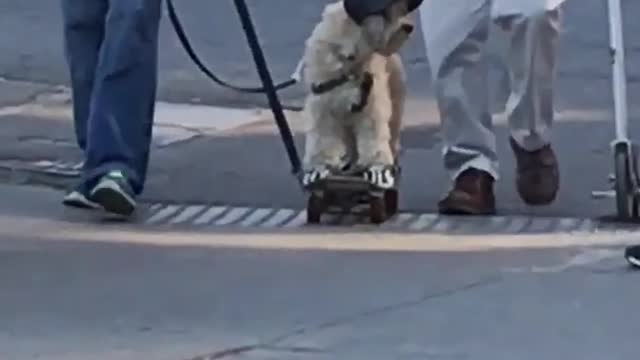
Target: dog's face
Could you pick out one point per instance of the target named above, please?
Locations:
(338, 44)
(387, 32)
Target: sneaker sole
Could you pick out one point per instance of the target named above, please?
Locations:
(633, 261)
(465, 211)
(112, 199)
(79, 202)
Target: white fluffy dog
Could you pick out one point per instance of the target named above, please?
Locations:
(357, 96)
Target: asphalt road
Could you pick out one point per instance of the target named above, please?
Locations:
(73, 287)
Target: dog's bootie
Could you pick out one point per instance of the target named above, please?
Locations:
(312, 176)
(381, 176)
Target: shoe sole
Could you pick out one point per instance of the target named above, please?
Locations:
(536, 200)
(633, 261)
(79, 202)
(465, 212)
(525, 196)
(462, 210)
(112, 199)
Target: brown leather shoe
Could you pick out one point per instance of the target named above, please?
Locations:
(472, 194)
(537, 177)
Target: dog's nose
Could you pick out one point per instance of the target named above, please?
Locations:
(351, 57)
(408, 28)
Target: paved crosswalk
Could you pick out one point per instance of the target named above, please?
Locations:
(63, 168)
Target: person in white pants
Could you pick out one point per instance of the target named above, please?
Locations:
(456, 34)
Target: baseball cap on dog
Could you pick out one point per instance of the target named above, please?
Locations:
(358, 10)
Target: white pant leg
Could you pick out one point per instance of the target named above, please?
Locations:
(455, 34)
(532, 61)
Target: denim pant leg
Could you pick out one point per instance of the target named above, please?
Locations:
(83, 34)
(124, 93)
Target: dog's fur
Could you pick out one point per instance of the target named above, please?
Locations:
(340, 131)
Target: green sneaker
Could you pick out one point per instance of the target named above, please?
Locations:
(114, 194)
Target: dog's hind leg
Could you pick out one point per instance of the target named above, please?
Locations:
(373, 137)
(371, 127)
(325, 149)
(375, 156)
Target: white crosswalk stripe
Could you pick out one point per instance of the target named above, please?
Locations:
(400, 219)
(232, 216)
(187, 213)
(278, 218)
(423, 222)
(516, 224)
(255, 217)
(163, 214)
(297, 221)
(209, 215)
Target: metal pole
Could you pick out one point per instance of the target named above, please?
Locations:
(267, 82)
(619, 74)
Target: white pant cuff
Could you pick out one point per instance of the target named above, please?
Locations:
(479, 163)
(531, 142)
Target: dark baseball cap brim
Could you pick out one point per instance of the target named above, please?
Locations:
(358, 10)
(414, 4)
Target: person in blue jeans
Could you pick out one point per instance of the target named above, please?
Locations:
(112, 54)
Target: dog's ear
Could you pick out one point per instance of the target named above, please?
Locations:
(398, 38)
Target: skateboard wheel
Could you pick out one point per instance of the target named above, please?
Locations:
(315, 208)
(377, 209)
(391, 201)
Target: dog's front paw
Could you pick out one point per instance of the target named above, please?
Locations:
(312, 176)
(380, 176)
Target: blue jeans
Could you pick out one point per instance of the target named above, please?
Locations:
(112, 53)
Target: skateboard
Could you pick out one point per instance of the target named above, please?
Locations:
(352, 194)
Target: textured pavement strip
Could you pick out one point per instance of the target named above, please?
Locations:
(204, 216)
(58, 167)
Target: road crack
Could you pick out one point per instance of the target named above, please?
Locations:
(274, 345)
(239, 350)
(234, 351)
(387, 309)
